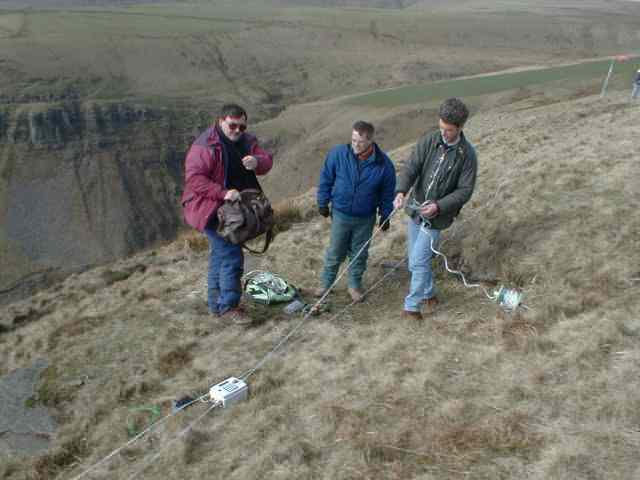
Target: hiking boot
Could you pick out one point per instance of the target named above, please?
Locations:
(431, 303)
(410, 315)
(356, 294)
(236, 316)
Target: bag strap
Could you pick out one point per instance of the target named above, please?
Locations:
(268, 236)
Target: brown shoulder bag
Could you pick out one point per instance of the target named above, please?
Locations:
(246, 219)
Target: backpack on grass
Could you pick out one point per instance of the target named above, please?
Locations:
(267, 288)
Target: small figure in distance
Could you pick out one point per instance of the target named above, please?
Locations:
(635, 92)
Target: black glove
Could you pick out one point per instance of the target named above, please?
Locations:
(384, 224)
(324, 211)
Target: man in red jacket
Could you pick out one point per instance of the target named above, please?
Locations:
(223, 161)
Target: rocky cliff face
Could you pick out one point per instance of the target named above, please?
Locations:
(82, 183)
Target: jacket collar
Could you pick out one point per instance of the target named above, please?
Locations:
(459, 147)
(214, 136)
(377, 152)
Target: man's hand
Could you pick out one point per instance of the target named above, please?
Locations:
(430, 210)
(385, 223)
(398, 202)
(324, 211)
(232, 195)
(250, 162)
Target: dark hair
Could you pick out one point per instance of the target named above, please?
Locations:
(454, 111)
(365, 128)
(233, 110)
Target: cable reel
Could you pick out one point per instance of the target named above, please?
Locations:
(509, 299)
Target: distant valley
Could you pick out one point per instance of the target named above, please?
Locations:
(99, 101)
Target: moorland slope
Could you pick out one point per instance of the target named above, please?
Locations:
(98, 105)
(472, 392)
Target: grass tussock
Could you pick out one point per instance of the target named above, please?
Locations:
(516, 330)
(196, 445)
(287, 213)
(170, 363)
(49, 466)
(495, 434)
(52, 391)
(193, 241)
(80, 326)
(111, 276)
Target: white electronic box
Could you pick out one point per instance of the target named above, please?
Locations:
(230, 391)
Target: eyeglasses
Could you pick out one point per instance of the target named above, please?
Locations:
(237, 126)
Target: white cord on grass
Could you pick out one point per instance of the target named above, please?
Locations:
(250, 372)
(137, 437)
(170, 442)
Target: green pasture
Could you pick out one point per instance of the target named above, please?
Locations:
(469, 87)
(223, 17)
(523, 29)
(179, 50)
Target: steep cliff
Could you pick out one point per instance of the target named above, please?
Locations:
(81, 183)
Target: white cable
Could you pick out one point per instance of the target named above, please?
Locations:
(377, 230)
(170, 442)
(446, 265)
(434, 177)
(250, 372)
(508, 300)
(137, 437)
(373, 287)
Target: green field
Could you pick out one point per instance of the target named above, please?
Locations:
(262, 54)
(469, 87)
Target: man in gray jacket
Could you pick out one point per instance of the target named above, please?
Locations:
(442, 171)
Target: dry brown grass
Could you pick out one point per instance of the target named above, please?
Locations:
(49, 466)
(172, 362)
(287, 213)
(547, 393)
(192, 240)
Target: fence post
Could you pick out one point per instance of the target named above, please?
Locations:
(606, 80)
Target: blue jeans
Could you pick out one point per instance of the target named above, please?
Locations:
(636, 91)
(348, 235)
(226, 262)
(420, 255)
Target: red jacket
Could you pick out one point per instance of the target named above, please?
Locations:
(204, 188)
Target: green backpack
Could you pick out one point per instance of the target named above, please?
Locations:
(266, 288)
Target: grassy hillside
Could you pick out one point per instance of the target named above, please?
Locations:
(577, 75)
(281, 60)
(302, 134)
(471, 392)
(268, 56)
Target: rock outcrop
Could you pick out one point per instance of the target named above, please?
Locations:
(83, 183)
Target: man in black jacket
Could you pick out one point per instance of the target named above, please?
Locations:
(442, 171)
